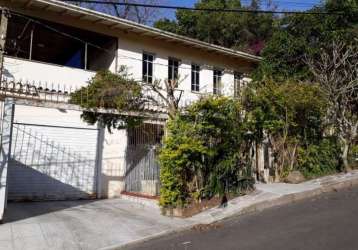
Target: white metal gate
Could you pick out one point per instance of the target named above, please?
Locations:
(142, 168)
(52, 159)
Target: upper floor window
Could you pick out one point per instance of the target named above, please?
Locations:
(217, 82)
(195, 77)
(238, 77)
(147, 68)
(173, 69)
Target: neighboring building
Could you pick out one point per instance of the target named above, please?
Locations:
(56, 48)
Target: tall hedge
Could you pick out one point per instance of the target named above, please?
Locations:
(205, 153)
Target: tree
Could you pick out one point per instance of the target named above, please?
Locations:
(299, 36)
(336, 70)
(289, 115)
(165, 96)
(244, 31)
(116, 100)
(109, 99)
(137, 14)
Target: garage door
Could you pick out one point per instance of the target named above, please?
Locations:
(53, 155)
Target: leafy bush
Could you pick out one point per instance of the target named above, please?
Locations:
(181, 154)
(206, 153)
(353, 156)
(289, 115)
(116, 92)
(319, 160)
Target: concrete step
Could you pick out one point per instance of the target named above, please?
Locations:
(145, 201)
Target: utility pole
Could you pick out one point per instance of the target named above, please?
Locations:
(3, 32)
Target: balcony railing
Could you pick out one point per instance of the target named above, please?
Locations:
(24, 79)
(45, 74)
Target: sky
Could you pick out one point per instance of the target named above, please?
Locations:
(296, 5)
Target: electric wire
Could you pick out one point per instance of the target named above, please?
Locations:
(204, 9)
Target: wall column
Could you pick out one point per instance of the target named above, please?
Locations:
(8, 110)
(113, 163)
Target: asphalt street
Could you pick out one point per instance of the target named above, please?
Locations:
(326, 222)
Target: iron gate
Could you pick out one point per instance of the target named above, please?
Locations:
(142, 168)
(142, 175)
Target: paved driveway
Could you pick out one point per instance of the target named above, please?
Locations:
(80, 224)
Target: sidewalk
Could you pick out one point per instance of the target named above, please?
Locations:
(111, 224)
(276, 194)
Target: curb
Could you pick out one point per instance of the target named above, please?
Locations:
(257, 207)
(291, 198)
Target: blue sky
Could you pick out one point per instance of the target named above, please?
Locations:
(297, 5)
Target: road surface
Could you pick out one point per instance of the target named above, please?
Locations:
(326, 222)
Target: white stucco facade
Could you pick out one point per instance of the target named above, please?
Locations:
(107, 151)
(45, 74)
(113, 148)
(129, 54)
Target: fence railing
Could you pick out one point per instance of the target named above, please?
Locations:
(33, 90)
(62, 94)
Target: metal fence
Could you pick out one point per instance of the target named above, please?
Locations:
(142, 173)
(142, 168)
(34, 90)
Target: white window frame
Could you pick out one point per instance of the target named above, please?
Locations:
(238, 80)
(172, 76)
(217, 81)
(147, 77)
(195, 77)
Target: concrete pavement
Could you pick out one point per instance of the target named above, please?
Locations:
(80, 224)
(109, 224)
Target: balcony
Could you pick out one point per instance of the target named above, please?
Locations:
(45, 74)
(44, 81)
(47, 60)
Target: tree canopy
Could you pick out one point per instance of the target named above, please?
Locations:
(300, 36)
(244, 31)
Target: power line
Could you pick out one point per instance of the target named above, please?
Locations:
(203, 9)
(282, 2)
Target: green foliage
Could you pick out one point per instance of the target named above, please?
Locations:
(289, 114)
(181, 154)
(205, 153)
(318, 160)
(283, 58)
(167, 25)
(296, 109)
(116, 92)
(234, 30)
(299, 36)
(353, 156)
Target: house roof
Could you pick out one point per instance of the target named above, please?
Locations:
(113, 22)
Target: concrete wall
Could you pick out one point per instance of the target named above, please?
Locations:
(56, 76)
(6, 118)
(130, 51)
(113, 163)
(129, 54)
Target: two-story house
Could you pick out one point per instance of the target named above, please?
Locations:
(53, 48)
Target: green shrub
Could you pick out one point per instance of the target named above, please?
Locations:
(205, 153)
(353, 156)
(107, 90)
(319, 160)
(181, 153)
